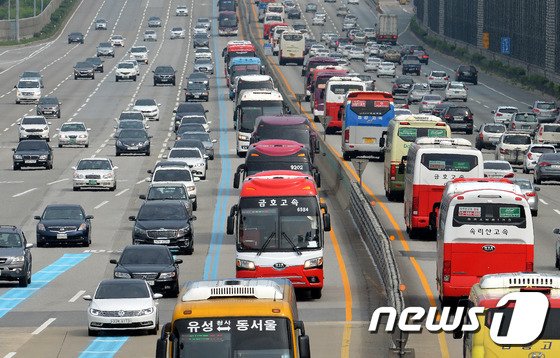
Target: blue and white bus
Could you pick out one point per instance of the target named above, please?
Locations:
(365, 116)
(241, 66)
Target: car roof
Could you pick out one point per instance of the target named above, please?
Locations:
(148, 247)
(163, 202)
(10, 228)
(64, 206)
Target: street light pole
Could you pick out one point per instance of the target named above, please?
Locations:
(34, 8)
(17, 20)
(9, 9)
(41, 5)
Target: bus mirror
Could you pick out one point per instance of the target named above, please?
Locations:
(161, 346)
(236, 179)
(317, 148)
(317, 178)
(303, 343)
(229, 228)
(324, 207)
(327, 221)
(381, 142)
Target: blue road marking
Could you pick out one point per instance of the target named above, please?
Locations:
(104, 347)
(15, 296)
(220, 211)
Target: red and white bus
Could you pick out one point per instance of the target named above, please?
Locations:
(430, 164)
(318, 85)
(279, 226)
(484, 227)
(335, 95)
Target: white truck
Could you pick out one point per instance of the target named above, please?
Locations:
(388, 31)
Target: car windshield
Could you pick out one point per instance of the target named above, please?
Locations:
(543, 149)
(167, 193)
(193, 120)
(201, 136)
(63, 213)
(524, 184)
(162, 212)
(93, 164)
(200, 35)
(185, 153)
(133, 134)
(177, 29)
(420, 87)
(30, 74)
(431, 98)
(116, 37)
(494, 128)
(95, 60)
(546, 105)
(456, 86)
(203, 60)
(517, 139)
(105, 44)
(29, 84)
(122, 290)
(508, 110)
(196, 86)
(125, 65)
(132, 115)
(497, 165)
(48, 100)
(164, 69)
(131, 124)
(172, 175)
(9, 240)
(526, 117)
(145, 102)
(438, 74)
(73, 127)
(32, 145)
(33, 120)
(145, 256)
(138, 50)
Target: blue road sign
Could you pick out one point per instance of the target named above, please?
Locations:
(505, 45)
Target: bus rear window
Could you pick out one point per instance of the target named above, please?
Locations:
(370, 107)
(489, 214)
(449, 162)
(409, 134)
(343, 89)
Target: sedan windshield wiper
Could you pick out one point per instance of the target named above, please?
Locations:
(294, 247)
(267, 241)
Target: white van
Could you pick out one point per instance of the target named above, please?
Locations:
(28, 91)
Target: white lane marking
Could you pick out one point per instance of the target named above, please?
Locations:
(557, 211)
(10, 355)
(122, 192)
(101, 204)
(23, 192)
(140, 181)
(42, 327)
(76, 296)
(57, 181)
(544, 202)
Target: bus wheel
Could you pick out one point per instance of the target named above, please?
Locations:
(316, 119)
(389, 195)
(316, 293)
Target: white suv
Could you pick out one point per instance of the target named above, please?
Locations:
(139, 53)
(193, 157)
(182, 10)
(34, 127)
(177, 174)
(28, 91)
(125, 71)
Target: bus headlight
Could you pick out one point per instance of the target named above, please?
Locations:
(245, 265)
(313, 263)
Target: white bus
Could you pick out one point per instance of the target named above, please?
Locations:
(336, 90)
(484, 227)
(430, 164)
(292, 48)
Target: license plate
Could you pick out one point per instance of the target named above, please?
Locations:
(30, 161)
(72, 141)
(150, 282)
(161, 241)
(62, 236)
(555, 166)
(458, 118)
(121, 320)
(526, 127)
(92, 182)
(196, 96)
(133, 148)
(369, 140)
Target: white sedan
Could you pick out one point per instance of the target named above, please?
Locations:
(95, 173)
(73, 133)
(387, 69)
(456, 90)
(498, 169)
(177, 33)
(372, 63)
(193, 157)
(356, 53)
(122, 304)
(148, 107)
(503, 114)
(117, 40)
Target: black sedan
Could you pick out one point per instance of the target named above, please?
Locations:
(196, 91)
(152, 263)
(164, 74)
(132, 141)
(199, 77)
(64, 224)
(76, 37)
(164, 223)
(402, 85)
(49, 107)
(84, 70)
(96, 62)
(33, 153)
(293, 13)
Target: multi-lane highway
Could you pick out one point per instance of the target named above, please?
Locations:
(48, 318)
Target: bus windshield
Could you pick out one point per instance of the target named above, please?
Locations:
(228, 21)
(363, 107)
(233, 337)
(250, 112)
(300, 135)
(409, 134)
(254, 167)
(272, 224)
(343, 89)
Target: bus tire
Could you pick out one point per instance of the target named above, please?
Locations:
(346, 156)
(534, 213)
(389, 195)
(316, 293)
(316, 119)
(281, 61)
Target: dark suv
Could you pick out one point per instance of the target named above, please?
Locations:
(402, 85)
(164, 74)
(466, 73)
(15, 256)
(76, 37)
(33, 153)
(458, 118)
(153, 263)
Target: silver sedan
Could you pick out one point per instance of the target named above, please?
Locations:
(530, 191)
(73, 133)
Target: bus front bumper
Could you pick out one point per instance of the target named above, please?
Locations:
(298, 276)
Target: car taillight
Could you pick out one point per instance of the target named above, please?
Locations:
(504, 151)
(446, 270)
(393, 171)
(532, 193)
(347, 136)
(498, 114)
(395, 86)
(544, 164)
(448, 116)
(394, 36)
(529, 155)
(529, 266)
(513, 125)
(415, 205)
(470, 117)
(430, 78)
(424, 102)
(509, 175)
(536, 110)
(446, 78)
(481, 136)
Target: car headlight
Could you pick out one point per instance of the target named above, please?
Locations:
(82, 136)
(83, 226)
(313, 263)
(139, 231)
(46, 128)
(78, 175)
(17, 156)
(184, 231)
(146, 311)
(245, 264)
(147, 143)
(18, 92)
(200, 164)
(107, 176)
(191, 188)
(94, 312)
(119, 142)
(243, 137)
(167, 274)
(122, 275)
(43, 157)
(18, 259)
(41, 227)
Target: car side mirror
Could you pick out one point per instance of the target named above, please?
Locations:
(530, 107)
(209, 122)
(28, 246)
(327, 222)
(149, 171)
(178, 261)
(214, 140)
(37, 217)
(493, 112)
(113, 261)
(88, 129)
(142, 196)
(556, 231)
(174, 111)
(193, 218)
(157, 296)
(196, 179)
(115, 168)
(89, 217)
(87, 297)
(132, 218)
(537, 188)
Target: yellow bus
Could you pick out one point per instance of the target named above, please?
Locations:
(487, 293)
(401, 133)
(235, 318)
